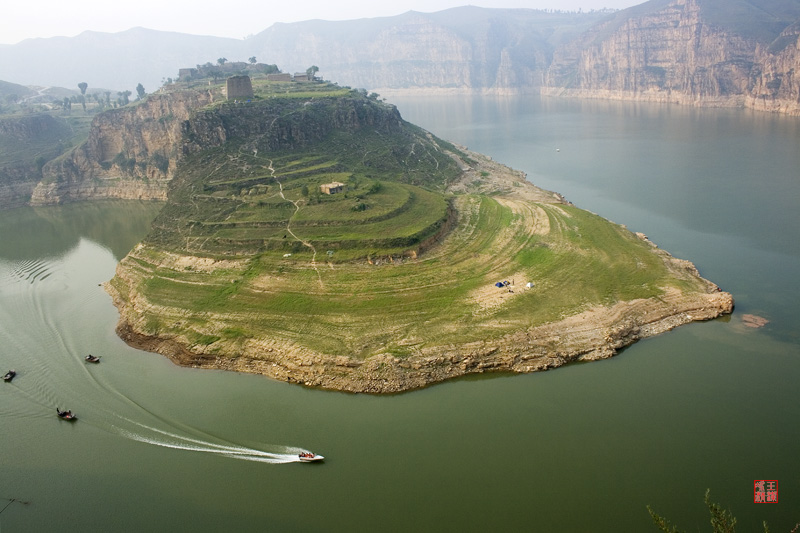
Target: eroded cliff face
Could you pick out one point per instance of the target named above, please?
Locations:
(131, 153)
(775, 85)
(675, 54)
(462, 49)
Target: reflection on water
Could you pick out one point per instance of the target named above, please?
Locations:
(31, 233)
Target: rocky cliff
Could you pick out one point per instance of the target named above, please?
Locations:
(466, 48)
(131, 153)
(698, 52)
(134, 152)
(775, 86)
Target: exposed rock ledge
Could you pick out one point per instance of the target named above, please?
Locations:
(58, 193)
(595, 334)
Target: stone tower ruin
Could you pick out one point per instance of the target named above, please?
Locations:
(239, 87)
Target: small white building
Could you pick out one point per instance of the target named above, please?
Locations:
(332, 188)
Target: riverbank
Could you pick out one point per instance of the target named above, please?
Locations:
(596, 334)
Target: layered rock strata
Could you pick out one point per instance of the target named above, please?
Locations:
(131, 153)
(678, 54)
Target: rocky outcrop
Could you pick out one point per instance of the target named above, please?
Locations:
(775, 85)
(131, 153)
(680, 52)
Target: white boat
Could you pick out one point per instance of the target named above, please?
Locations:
(309, 457)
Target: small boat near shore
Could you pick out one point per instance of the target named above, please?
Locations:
(9, 375)
(308, 457)
(92, 359)
(67, 415)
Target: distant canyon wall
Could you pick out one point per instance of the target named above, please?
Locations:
(466, 49)
(661, 51)
(674, 55)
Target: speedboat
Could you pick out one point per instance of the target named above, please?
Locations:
(92, 359)
(66, 415)
(9, 375)
(308, 457)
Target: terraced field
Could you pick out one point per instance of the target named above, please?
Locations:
(280, 207)
(398, 305)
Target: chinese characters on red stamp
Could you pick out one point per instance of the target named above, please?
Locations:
(765, 491)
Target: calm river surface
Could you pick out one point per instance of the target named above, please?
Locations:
(582, 448)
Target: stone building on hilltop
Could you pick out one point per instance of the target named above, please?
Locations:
(239, 87)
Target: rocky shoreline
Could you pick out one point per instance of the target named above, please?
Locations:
(595, 334)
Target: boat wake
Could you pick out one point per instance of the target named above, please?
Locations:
(53, 371)
(166, 439)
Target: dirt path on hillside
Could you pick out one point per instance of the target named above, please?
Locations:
(289, 228)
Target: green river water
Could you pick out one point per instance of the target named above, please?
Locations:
(582, 448)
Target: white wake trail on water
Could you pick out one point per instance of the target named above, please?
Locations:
(167, 439)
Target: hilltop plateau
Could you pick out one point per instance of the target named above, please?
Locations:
(426, 261)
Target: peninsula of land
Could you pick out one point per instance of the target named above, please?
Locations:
(317, 238)
(515, 328)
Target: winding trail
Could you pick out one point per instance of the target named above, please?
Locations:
(289, 228)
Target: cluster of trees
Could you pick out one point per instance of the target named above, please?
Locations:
(223, 68)
(101, 100)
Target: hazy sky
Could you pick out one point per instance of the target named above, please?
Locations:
(48, 18)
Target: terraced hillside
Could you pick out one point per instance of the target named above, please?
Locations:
(392, 282)
(248, 201)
